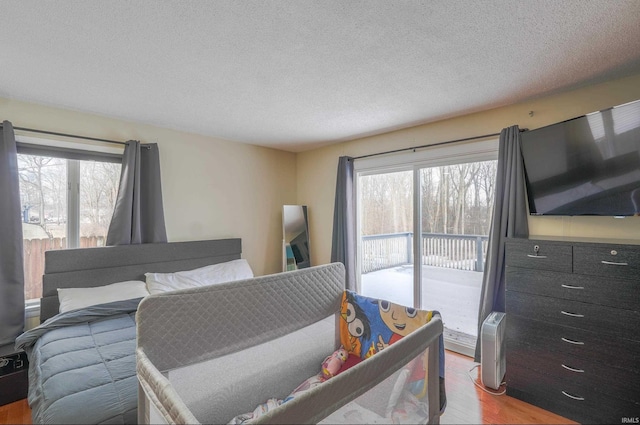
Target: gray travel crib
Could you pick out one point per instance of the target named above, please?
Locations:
(208, 354)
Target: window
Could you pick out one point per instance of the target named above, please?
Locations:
(446, 197)
(67, 198)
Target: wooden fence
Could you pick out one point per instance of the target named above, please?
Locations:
(34, 250)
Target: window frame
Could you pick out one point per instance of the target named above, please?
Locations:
(476, 151)
(73, 153)
(54, 151)
(458, 153)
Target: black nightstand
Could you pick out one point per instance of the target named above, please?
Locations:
(14, 381)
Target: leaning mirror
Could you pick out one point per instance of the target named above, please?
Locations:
(295, 231)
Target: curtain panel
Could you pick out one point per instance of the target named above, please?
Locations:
(343, 247)
(509, 220)
(138, 216)
(11, 247)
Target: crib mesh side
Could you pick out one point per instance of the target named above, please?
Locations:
(369, 382)
(400, 398)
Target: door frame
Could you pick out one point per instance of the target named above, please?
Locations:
(459, 153)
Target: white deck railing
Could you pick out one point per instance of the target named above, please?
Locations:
(462, 252)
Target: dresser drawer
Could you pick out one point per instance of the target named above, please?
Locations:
(580, 343)
(619, 293)
(573, 327)
(548, 393)
(539, 255)
(571, 412)
(610, 261)
(601, 319)
(582, 373)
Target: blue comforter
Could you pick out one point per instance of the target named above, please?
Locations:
(82, 366)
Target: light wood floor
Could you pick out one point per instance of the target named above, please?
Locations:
(466, 403)
(15, 413)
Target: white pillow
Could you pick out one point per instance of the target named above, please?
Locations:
(203, 276)
(75, 298)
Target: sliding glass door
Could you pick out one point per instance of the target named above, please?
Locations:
(455, 217)
(386, 227)
(423, 235)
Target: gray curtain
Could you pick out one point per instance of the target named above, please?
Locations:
(343, 247)
(509, 220)
(11, 254)
(138, 216)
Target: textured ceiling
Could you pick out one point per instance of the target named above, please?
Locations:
(295, 75)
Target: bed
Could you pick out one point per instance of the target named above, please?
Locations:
(263, 350)
(82, 361)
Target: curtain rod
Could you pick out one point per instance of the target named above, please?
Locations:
(67, 135)
(431, 145)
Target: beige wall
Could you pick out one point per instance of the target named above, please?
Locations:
(212, 188)
(317, 168)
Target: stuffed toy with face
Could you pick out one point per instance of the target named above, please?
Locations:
(332, 364)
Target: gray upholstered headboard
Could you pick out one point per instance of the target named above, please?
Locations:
(89, 267)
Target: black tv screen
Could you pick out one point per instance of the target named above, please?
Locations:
(588, 165)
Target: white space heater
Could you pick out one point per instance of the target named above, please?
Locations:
(492, 354)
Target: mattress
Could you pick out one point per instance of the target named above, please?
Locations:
(82, 366)
(252, 368)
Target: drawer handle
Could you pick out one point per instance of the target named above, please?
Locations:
(536, 256)
(613, 263)
(566, 313)
(572, 287)
(572, 369)
(572, 396)
(570, 341)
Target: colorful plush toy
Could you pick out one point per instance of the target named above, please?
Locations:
(332, 364)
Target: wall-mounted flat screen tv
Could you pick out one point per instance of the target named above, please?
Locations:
(589, 165)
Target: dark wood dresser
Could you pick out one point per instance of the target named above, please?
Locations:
(573, 327)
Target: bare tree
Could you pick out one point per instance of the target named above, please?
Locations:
(40, 180)
(99, 188)
(456, 199)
